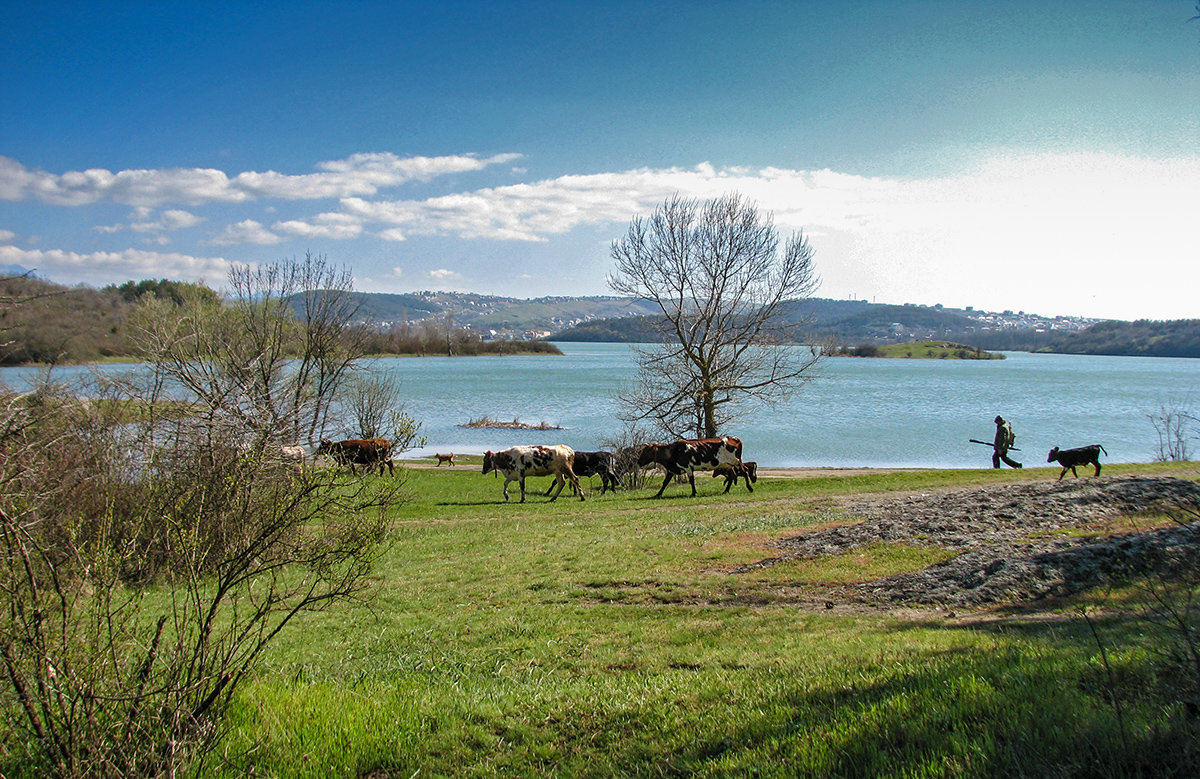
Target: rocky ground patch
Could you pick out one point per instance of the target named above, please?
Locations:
(1014, 542)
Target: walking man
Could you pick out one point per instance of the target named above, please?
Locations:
(1002, 443)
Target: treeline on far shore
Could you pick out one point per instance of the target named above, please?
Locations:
(48, 324)
(429, 338)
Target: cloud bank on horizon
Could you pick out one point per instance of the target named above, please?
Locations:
(1064, 178)
(1022, 228)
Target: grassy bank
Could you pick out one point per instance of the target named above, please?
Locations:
(919, 350)
(608, 637)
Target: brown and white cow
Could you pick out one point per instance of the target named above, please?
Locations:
(748, 470)
(688, 455)
(517, 462)
(359, 451)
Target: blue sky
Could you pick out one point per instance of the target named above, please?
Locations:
(1037, 156)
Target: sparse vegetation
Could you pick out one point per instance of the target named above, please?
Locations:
(921, 350)
(515, 424)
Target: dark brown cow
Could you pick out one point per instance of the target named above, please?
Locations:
(358, 451)
(1071, 458)
(748, 471)
(688, 455)
(602, 464)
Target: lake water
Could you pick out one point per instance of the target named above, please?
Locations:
(853, 413)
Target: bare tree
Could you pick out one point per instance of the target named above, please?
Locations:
(719, 276)
(254, 362)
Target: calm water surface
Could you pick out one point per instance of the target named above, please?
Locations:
(853, 413)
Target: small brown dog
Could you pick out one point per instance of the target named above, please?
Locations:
(444, 458)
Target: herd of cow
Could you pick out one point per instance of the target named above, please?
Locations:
(722, 456)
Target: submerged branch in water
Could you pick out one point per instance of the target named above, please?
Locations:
(516, 424)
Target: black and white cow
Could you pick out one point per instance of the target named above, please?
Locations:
(748, 471)
(1071, 458)
(517, 462)
(688, 455)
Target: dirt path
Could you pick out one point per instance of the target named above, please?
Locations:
(1012, 543)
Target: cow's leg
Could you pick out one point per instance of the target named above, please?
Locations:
(506, 481)
(664, 484)
(1074, 472)
(692, 481)
(575, 485)
(1062, 473)
(560, 483)
(730, 480)
(1097, 464)
(523, 488)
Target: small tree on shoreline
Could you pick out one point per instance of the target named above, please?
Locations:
(719, 276)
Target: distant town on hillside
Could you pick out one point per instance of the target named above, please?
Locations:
(814, 320)
(81, 324)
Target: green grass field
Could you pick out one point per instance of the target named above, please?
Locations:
(608, 638)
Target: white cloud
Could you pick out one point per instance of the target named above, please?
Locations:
(358, 175)
(333, 225)
(442, 274)
(1061, 233)
(100, 268)
(247, 231)
(7, 236)
(169, 220)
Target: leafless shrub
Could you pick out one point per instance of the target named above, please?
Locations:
(1175, 424)
(152, 546)
(625, 446)
(371, 397)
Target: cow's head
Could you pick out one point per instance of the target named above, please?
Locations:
(751, 469)
(647, 455)
(325, 447)
(1053, 455)
(489, 462)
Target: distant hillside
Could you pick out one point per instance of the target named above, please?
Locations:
(845, 321)
(857, 323)
(43, 322)
(79, 324)
(508, 316)
(627, 330)
(1143, 338)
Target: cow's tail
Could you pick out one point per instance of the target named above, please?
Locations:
(1103, 449)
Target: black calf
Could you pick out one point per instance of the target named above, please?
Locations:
(1070, 458)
